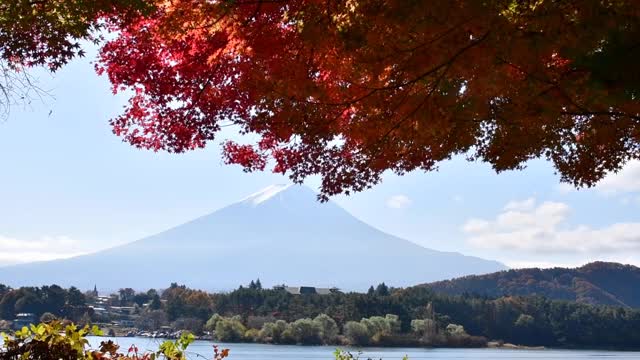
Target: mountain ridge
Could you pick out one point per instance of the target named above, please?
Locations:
(596, 283)
(281, 235)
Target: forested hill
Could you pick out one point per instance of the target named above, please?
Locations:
(595, 283)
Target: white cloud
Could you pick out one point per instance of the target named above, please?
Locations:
(476, 226)
(398, 202)
(524, 205)
(624, 181)
(458, 199)
(564, 188)
(543, 229)
(542, 264)
(16, 251)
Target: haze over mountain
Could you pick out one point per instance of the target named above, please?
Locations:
(280, 235)
(595, 283)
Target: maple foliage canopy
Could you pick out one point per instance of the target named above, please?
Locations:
(48, 33)
(350, 89)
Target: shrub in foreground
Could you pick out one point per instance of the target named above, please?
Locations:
(55, 340)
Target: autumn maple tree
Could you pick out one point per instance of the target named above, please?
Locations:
(49, 33)
(351, 89)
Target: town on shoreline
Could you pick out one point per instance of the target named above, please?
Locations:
(383, 316)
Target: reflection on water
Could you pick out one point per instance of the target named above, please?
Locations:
(204, 349)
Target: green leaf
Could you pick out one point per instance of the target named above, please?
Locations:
(95, 330)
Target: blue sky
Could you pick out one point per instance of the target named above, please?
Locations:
(68, 186)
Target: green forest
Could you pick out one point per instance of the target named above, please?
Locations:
(383, 316)
(597, 283)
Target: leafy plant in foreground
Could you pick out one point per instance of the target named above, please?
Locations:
(56, 340)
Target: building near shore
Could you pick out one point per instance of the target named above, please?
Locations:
(24, 319)
(307, 290)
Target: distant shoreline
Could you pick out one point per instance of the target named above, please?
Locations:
(490, 345)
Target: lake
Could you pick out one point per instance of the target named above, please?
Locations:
(201, 349)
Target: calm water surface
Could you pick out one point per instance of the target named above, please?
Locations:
(201, 349)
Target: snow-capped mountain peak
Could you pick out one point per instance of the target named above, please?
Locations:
(282, 235)
(265, 194)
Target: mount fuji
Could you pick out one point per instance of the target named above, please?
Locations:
(281, 235)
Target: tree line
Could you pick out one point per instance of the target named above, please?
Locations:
(382, 316)
(64, 303)
(526, 320)
(374, 331)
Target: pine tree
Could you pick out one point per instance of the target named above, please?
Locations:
(382, 290)
(371, 291)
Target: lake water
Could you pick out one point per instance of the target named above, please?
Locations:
(204, 349)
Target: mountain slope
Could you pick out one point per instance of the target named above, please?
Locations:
(595, 283)
(281, 235)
